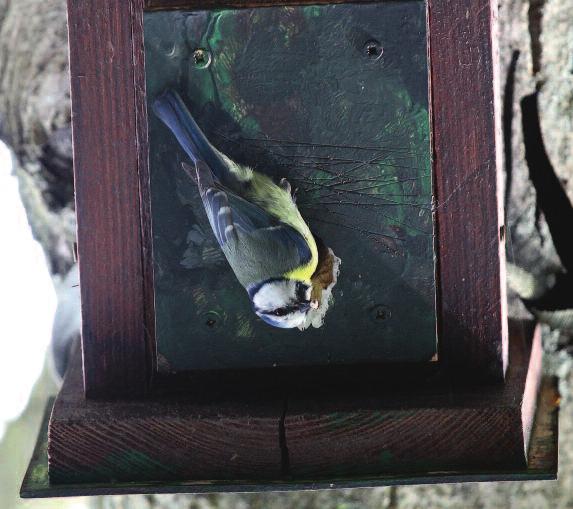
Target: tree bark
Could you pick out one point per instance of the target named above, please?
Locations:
(35, 119)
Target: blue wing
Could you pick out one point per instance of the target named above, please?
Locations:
(250, 218)
(230, 215)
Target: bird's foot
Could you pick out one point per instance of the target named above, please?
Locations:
(285, 185)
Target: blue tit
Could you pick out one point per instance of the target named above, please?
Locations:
(256, 222)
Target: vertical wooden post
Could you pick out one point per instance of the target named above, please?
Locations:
(106, 164)
(469, 190)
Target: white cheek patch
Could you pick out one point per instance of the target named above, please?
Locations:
(274, 295)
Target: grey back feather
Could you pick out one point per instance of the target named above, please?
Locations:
(260, 254)
(257, 245)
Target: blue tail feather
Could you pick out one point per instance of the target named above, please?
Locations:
(171, 109)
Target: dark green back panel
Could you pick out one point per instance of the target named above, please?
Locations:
(302, 93)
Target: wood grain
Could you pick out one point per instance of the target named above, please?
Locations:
(214, 437)
(542, 465)
(274, 433)
(106, 164)
(387, 430)
(144, 188)
(468, 187)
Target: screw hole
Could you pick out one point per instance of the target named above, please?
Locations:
(380, 313)
(201, 58)
(373, 50)
(213, 320)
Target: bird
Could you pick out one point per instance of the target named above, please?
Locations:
(256, 222)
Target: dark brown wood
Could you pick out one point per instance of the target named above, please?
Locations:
(278, 433)
(529, 396)
(113, 204)
(468, 186)
(542, 465)
(107, 154)
(144, 187)
(211, 437)
(544, 441)
(441, 427)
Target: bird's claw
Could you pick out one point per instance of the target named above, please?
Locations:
(285, 185)
(293, 194)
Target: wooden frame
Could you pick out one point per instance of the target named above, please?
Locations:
(284, 431)
(290, 428)
(542, 465)
(112, 188)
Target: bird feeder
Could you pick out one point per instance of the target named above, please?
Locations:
(383, 117)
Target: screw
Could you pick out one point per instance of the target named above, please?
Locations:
(373, 49)
(201, 58)
(212, 319)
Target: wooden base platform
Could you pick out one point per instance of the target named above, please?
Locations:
(374, 433)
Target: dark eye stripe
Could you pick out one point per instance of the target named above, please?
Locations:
(281, 311)
(301, 292)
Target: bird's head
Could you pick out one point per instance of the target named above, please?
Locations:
(281, 302)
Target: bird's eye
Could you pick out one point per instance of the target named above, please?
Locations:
(280, 312)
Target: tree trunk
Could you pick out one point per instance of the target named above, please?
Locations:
(35, 119)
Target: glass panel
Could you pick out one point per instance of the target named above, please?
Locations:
(334, 98)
